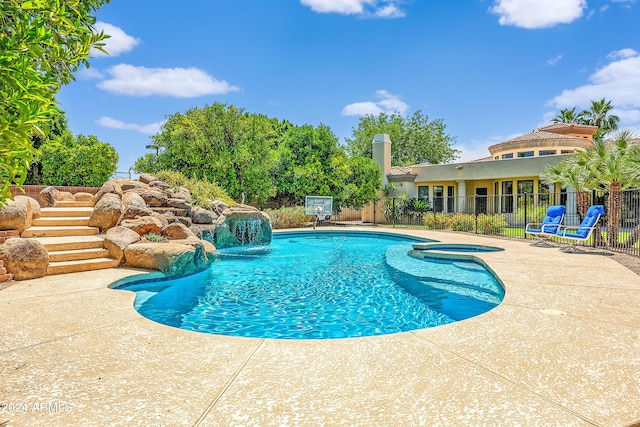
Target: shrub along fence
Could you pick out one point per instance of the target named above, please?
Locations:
(508, 215)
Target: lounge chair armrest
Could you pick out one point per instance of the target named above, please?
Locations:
(567, 228)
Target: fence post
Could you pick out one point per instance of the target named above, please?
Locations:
(393, 211)
(525, 213)
(375, 207)
(475, 212)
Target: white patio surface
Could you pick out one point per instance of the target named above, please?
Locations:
(563, 349)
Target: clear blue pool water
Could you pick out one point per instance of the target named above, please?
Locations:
(320, 285)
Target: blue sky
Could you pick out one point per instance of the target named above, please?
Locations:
(491, 69)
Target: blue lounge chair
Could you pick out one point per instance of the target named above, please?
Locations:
(548, 228)
(582, 232)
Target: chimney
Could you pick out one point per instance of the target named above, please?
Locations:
(381, 154)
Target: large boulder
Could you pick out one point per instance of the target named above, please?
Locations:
(133, 199)
(164, 219)
(66, 196)
(202, 216)
(16, 215)
(117, 239)
(242, 225)
(204, 252)
(151, 196)
(180, 193)
(179, 204)
(143, 225)
(159, 184)
(218, 206)
(132, 212)
(128, 184)
(109, 187)
(181, 219)
(106, 212)
(147, 178)
(177, 231)
(173, 259)
(82, 196)
(24, 258)
(49, 196)
(35, 206)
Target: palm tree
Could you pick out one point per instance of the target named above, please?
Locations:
(569, 174)
(611, 167)
(569, 116)
(599, 116)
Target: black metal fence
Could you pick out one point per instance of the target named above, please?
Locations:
(508, 215)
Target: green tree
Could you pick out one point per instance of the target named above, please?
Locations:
(567, 115)
(42, 43)
(597, 115)
(77, 160)
(312, 163)
(362, 185)
(220, 143)
(610, 167)
(414, 138)
(57, 126)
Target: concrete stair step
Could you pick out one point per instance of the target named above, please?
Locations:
(66, 212)
(61, 221)
(75, 230)
(68, 243)
(74, 204)
(63, 267)
(78, 254)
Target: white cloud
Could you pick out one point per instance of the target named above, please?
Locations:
(177, 82)
(119, 42)
(622, 54)
(368, 8)
(361, 109)
(149, 129)
(532, 14)
(89, 74)
(475, 149)
(553, 61)
(388, 103)
(618, 81)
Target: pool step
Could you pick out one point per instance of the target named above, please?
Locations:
(77, 254)
(62, 267)
(72, 245)
(52, 231)
(60, 221)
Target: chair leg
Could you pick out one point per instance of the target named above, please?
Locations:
(542, 243)
(572, 249)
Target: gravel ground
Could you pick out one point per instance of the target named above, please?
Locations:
(631, 262)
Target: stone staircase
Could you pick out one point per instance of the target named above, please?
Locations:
(72, 245)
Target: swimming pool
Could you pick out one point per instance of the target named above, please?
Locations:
(315, 285)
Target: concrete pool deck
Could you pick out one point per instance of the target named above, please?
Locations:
(563, 349)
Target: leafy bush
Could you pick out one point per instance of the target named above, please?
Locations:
(462, 222)
(491, 224)
(202, 191)
(293, 217)
(153, 237)
(437, 221)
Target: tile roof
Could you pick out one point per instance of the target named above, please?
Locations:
(400, 170)
(556, 126)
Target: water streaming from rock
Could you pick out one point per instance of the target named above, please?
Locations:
(248, 230)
